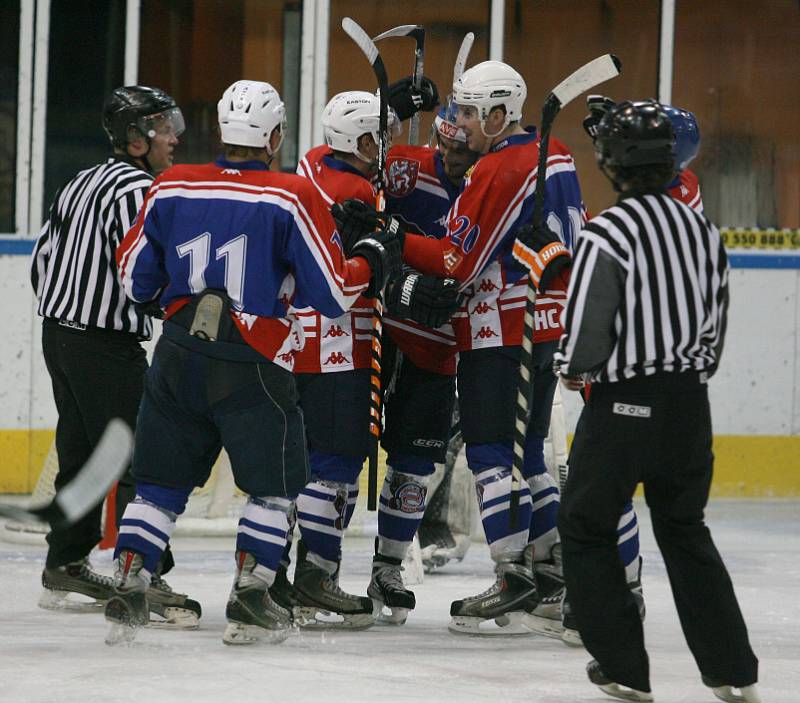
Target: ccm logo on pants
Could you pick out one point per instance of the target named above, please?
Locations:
(631, 410)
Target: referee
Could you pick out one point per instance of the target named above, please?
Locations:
(91, 331)
(645, 323)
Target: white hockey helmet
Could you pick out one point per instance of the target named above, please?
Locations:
(488, 85)
(350, 114)
(248, 113)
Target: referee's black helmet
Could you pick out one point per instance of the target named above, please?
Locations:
(635, 134)
(137, 107)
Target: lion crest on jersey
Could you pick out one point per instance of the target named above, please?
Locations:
(401, 177)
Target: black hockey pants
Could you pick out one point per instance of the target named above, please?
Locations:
(656, 430)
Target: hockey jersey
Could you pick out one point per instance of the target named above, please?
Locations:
(497, 199)
(686, 189)
(418, 190)
(338, 342)
(266, 238)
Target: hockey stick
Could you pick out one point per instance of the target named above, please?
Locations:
(463, 54)
(585, 78)
(106, 464)
(361, 38)
(417, 33)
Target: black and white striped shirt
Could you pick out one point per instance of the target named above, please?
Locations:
(648, 293)
(73, 270)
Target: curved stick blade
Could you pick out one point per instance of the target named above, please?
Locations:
(586, 77)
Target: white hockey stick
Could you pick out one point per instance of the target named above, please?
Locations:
(585, 78)
(90, 485)
(463, 55)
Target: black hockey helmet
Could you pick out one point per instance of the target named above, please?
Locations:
(634, 134)
(141, 108)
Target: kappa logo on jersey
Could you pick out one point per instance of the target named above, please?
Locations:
(487, 286)
(232, 171)
(482, 308)
(287, 358)
(485, 332)
(336, 331)
(336, 358)
(402, 177)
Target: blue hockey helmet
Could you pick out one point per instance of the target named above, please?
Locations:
(687, 135)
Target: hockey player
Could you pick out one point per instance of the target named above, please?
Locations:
(91, 334)
(226, 248)
(497, 199)
(649, 388)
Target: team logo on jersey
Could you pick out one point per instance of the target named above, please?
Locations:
(401, 177)
(336, 331)
(485, 332)
(336, 358)
(407, 497)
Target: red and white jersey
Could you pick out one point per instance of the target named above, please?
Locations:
(265, 238)
(687, 190)
(418, 189)
(497, 199)
(335, 343)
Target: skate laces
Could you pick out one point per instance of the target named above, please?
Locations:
(86, 572)
(390, 575)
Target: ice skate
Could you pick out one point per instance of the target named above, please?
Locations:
(174, 610)
(511, 598)
(615, 690)
(62, 582)
(252, 614)
(727, 693)
(321, 604)
(546, 617)
(387, 591)
(438, 545)
(127, 610)
(283, 592)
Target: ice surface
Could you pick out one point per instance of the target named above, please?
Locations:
(48, 657)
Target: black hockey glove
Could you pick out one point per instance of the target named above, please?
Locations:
(598, 106)
(152, 308)
(540, 250)
(383, 251)
(354, 220)
(406, 100)
(428, 300)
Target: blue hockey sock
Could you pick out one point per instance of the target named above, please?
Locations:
(262, 533)
(321, 511)
(400, 509)
(148, 522)
(493, 486)
(546, 498)
(628, 543)
(352, 497)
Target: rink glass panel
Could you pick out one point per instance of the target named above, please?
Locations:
(736, 68)
(548, 40)
(194, 49)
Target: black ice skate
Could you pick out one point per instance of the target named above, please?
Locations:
(511, 598)
(386, 589)
(174, 610)
(546, 617)
(282, 591)
(615, 690)
(323, 605)
(77, 577)
(727, 693)
(252, 614)
(127, 610)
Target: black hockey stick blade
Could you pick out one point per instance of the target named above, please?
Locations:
(90, 485)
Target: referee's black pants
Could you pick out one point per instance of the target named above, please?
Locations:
(656, 430)
(97, 375)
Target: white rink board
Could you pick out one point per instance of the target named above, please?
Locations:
(50, 657)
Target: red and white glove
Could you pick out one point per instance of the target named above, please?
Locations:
(540, 251)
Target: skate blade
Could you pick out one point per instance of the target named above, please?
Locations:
(387, 615)
(727, 694)
(572, 638)
(62, 600)
(120, 634)
(237, 633)
(507, 625)
(174, 618)
(626, 694)
(544, 626)
(314, 619)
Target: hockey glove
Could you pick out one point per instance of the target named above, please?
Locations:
(153, 309)
(540, 251)
(598, 106)
(383, 251)
(354, 220)
(406, 100)
(428, 300)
